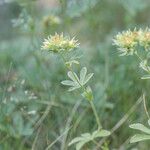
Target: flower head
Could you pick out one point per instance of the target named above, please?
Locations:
(58, 43)
(128, 41)
(144, 38)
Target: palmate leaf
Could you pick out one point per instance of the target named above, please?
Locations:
(74, 85)
(88, 77)
(141, 127)
(75, 81)
(83, 75)
(69, 83)
(73, 88)
(84, 78)
(73, 76)
(139, 137)
(101, 133)
(87, 137)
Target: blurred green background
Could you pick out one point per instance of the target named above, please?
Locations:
(35, 109)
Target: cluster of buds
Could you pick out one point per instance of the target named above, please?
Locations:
(51, 20)
(128, 41)
(59, 43)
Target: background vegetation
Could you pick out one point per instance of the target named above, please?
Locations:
(36, 111)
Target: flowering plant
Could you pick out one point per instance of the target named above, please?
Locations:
(136, 43)
(62, 45)
(128, 41)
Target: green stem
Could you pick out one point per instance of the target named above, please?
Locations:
(96, 115)
(145, 107)
(91, 102)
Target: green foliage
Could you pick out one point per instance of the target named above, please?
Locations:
(58, 42)
(77, 7)
(77, 82)
(140, 137)
(35, 116)
(87, 137)
(12, 121)
(24, 21)
(129, 42)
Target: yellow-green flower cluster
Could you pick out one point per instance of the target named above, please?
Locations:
(127, 41)
(144, 38)
(59, 43)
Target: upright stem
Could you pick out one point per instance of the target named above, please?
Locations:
(84, 89)
(96, 115)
